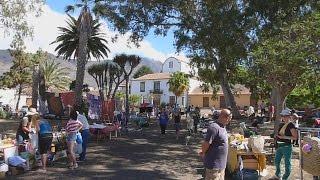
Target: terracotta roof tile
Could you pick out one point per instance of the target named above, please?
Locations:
(154, 76)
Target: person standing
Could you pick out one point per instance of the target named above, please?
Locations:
(84, 132)
(23, 130)
(177, 119)
(44, 130)
(163, 121)
(196, 118)
(214, 149)
(262, 108)
(286, 133)
(271, 111)
(72, 127)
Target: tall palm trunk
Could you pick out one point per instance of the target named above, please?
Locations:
(82, 56)
(35, 86)
(19, 96)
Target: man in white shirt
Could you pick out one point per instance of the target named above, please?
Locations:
(84, 133)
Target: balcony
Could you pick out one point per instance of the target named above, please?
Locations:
(156, 91)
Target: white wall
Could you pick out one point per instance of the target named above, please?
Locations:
(176, 65)
(165, 96)
(149, 85)
(185, 68)
(8, 96)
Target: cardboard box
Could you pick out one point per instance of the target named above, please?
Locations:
(250, 164)
(14, 170)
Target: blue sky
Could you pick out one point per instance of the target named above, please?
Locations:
(162, 44)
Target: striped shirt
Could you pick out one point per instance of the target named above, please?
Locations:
(73, 126)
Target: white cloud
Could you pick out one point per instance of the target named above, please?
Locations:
(46, 30)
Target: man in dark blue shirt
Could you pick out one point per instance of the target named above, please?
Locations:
(214, 150)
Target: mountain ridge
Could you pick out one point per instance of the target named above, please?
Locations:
(6, 63)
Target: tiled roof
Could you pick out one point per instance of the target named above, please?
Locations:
(153, 76)
(240, 89)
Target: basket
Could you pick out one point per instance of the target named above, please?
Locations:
(311, 160)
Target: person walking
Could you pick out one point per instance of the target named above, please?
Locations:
(286, 133)
(163, 120)
(214, 150)
(84, 132)
(177, 119)
(44, 130)
(72, 127)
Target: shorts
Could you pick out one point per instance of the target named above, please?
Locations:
(177, 126)
(71, 137)
(45, 141)
(214, 174)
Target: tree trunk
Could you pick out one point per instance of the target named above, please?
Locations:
(280, 98)
(127, 98)
(273, 99)
(42, 93)
(82, 58)
(176, 101)
(35, 86)
(229, 98)
(19, 96)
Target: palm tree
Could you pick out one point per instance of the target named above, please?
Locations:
(127, 64)
(178, 83)
(81, 39)
(55, 76)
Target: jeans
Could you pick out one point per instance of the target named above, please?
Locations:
(163, 128)
(286, 151)
(85, 137)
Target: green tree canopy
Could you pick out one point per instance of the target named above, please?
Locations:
(13, 14)
(142, 71)
(286, 60)
(178, 83)
(19, 74)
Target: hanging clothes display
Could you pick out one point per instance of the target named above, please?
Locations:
(68, 98)
(54, 104)
(94, 106)
(108, 109)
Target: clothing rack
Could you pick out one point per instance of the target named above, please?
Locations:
(303, 130)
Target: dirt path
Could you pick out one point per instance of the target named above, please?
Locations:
(136, 155)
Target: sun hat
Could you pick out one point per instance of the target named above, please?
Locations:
(285, 112)
(32, 111)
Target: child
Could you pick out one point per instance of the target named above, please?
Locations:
(73, 126)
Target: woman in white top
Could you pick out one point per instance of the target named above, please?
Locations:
(84, 132)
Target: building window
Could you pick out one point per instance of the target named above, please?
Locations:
(172, 100)
(171, 64)
(142, 86)
(182, 101)
(156, 86)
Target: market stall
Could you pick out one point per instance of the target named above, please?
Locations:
(102, 130)
(309, 141)
(246, 153)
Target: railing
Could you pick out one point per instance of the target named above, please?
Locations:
(156, 91)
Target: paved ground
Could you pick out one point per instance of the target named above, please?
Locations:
(137, 155)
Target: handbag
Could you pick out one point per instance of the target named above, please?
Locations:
(79, 138)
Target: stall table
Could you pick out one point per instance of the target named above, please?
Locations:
(101, 130)
(8, 150)
(234, 154)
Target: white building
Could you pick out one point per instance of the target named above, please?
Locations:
(154, 88)
(10, 97)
